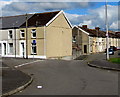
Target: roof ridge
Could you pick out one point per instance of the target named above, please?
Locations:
(15, 16)
(27, 14)
(47, 12)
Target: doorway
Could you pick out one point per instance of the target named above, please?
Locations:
(4, 45)
(85, 48)
(22, 49)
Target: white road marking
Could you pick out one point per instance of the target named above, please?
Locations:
(39, 87)
(26, 63)
(4, 67)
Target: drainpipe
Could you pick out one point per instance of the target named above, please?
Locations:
(44, 40)
(26, 36)
(78, 42)
(15, 40)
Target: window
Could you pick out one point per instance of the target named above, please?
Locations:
(10, 34)
(11, 48)
(74, 38)
(33, 33)
(22, 33)
(34, 51)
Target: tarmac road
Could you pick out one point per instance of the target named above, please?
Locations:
(59, 77)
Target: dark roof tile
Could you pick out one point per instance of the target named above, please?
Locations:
(13, 21)
(40, 19)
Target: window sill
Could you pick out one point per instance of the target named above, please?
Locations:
(33, 38)
(22, 37)
(34, 54)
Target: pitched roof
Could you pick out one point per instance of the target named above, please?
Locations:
(98, 33)
(117, 34)
(13, 21)
(40, 19)
(37, 19)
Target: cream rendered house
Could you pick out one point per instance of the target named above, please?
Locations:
(48, 35)
(91, 40)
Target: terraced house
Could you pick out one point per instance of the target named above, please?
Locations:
(40, 35)
(86, 41)
(9, 35)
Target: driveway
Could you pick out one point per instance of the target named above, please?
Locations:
(59, 77)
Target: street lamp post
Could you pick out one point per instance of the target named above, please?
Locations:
(107, 35)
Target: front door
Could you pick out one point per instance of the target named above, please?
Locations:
(4, 44)
(85, 48)
(22, 49)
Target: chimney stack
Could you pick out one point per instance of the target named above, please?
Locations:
(84, 26)
(97, 28)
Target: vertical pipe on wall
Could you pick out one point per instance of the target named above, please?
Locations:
(15, 41)
(44, 41)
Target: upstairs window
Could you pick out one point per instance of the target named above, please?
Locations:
(33, 33)
(22, 34)
(10, 34)
(74, 39)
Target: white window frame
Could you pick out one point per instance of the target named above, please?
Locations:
(10, 50)
(9, 35)
(21, 32)
(32, 32)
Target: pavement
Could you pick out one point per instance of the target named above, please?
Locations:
(102, 63)
(13, 80)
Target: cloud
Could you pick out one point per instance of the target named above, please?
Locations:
(115, 25)
(14, 7)
(96, 17)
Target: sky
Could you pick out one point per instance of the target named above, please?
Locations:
(89, 12)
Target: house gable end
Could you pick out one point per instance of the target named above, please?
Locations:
(61, 15)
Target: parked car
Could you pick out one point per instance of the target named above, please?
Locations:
(111, 51)
(114, 48)
(118, 48)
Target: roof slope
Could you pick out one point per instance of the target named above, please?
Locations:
(37, 19)
(40, 19)
(99, 33)
(13, 21)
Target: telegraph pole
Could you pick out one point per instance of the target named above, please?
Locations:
(26, 36)
(107, 35)
(14, 38)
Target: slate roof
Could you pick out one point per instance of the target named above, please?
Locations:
(40, 19)
(13, 21)
(117, 34)
(99, 33)
(37, 19)
(94, 32)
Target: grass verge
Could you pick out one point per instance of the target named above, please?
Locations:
(115, 60)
